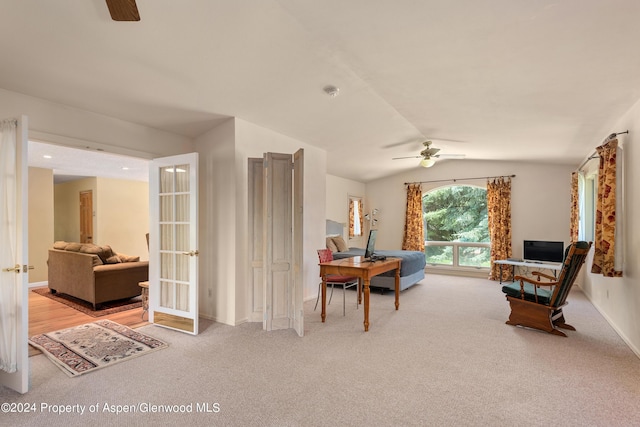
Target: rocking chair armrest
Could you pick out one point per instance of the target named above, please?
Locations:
(534, 282)
(545, 275)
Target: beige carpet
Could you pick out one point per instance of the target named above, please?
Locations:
(446, 358)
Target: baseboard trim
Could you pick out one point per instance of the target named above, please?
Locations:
(38, 284)
(621, 334)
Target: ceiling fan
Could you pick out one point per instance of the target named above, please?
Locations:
(123, 10)
(428, 155)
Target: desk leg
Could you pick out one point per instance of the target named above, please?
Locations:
(366, 305)
(324, 298)
(397, 288)
(359, 291)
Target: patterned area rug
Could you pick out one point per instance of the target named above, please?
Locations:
(87, 308)
(92, 346)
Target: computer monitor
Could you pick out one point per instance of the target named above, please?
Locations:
(371, 243)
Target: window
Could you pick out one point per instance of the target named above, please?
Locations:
(355, 217)
(456, 227)
(588, 197)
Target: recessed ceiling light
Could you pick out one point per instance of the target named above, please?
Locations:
(124, 168)
(331, 90)
(46, 156)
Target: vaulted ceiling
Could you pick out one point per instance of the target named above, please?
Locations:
(510, 80)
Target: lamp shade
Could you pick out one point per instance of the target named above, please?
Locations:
(427, 163)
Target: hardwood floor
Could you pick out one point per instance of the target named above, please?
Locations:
(46, 315)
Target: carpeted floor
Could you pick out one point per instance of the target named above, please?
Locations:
(103, 309)
(446, 358)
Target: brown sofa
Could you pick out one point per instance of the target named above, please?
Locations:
(95, 273)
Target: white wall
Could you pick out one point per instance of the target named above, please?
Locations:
(540, 203)
(338, 192)
(217, 220)
(224, 260)
(618, 299)
(56, 123)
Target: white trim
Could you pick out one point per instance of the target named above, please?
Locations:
(621, 334)
(38, 284)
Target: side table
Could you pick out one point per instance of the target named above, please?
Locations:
(145, 297)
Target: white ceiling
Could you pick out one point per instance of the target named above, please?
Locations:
(494, 79)
(74, 163)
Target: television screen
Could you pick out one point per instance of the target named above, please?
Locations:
(538, 250)
(371, 243)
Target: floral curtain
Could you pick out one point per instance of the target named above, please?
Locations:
(356, 219)
(351, 218)
(499, 213)
(604, 253)
(575, 208)
(413, 239)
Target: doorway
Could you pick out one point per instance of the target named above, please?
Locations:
(86, 216)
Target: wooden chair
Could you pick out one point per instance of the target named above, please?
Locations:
(538, 304)
(325, 255)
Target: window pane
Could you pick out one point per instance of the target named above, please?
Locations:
(166, 179)
(439, 255)
(182, 178)
(182, 208)
(166, 208)
(456, 214)
(166, 294)
(182, 296)
(474, 256)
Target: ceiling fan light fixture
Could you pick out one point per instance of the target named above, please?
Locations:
(331, 90)
(427, 162)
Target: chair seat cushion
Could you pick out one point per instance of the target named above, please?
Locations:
(513, 290)
(334, 278)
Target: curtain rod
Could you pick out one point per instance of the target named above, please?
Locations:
(461, 179)
(595, 153)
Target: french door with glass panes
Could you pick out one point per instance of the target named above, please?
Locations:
(173, 242)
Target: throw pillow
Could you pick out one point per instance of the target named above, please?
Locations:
(340, 244)
(331, 245)
(108, 256)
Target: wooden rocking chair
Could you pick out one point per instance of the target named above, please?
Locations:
(533, 306)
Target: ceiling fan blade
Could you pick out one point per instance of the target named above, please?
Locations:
(408, 157)
(123, 10)
(450, 156)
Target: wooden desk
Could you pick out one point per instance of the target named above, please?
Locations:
(364, 270)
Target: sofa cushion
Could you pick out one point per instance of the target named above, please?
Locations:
(60, 245)
(513, 290)
(73, 247)
(127, 258)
